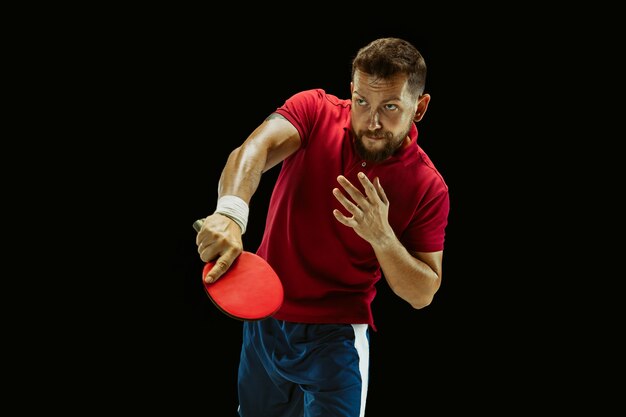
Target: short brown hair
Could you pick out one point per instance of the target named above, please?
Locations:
(386, 57)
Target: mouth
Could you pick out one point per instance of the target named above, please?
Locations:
(374, 137)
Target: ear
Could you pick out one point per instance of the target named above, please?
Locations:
(351, 87)
(422, 106)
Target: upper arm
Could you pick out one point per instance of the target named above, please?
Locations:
(276, 137)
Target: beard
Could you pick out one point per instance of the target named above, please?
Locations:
(390, 145)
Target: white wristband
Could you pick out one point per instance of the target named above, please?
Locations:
(235, 208)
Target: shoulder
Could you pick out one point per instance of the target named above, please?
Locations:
(428, 170)
(319, 96)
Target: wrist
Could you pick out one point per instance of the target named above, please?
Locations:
(235, 209)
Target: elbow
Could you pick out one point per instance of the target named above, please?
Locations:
(425, 298)
(422, 302)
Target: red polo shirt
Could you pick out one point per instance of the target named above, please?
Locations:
(328, 271)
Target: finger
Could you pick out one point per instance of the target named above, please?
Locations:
(346, 221)
(207, 240)
(207, 245)
(221, 265)
(349, 205)
(381, 191)
(369, 188)
(208, 252)
(352, 191)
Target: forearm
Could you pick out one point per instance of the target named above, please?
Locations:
(273, 141)
(410, 278)
(219, 239)
(242, 173)
(269, 144)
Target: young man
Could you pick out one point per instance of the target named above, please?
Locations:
(356, 199)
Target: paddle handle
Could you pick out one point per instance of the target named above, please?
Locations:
(197, 225)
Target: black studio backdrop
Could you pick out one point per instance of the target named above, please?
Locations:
(411, 346)
(139, 109)
(193, 93)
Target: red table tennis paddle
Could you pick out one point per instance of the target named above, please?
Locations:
(249, 290)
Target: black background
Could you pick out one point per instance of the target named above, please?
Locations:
(218, 89)
(209, 90)
(169, 93)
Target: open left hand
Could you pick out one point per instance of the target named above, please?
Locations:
(370, 213)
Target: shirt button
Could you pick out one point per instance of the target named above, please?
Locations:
(363, 164)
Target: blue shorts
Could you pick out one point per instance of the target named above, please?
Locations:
(295, 369)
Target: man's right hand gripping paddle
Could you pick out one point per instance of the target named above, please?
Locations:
(248, 290)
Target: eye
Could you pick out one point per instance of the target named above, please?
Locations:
(360, 102)
(391, 107)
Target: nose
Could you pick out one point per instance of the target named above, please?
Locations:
(373, 121)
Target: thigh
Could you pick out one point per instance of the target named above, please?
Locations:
(262, 391)
(338, 374)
